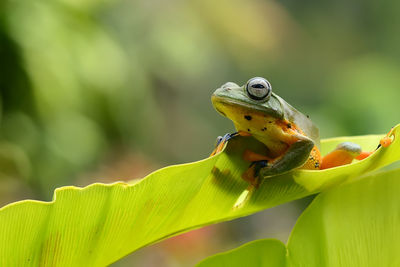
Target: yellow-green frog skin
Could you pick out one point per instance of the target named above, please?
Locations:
(290, 136)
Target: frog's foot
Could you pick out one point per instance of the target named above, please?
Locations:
(252, 174)
(342, 155)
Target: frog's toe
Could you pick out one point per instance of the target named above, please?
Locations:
(218, 141)
(386, 141)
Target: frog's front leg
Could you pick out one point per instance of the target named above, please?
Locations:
(222, 140)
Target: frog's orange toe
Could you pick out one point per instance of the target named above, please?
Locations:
(386, 141)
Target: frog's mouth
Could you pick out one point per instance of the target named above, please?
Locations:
(218, 108)
(226, 105)
(220, 112)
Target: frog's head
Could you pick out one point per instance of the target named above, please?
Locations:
(254, 97)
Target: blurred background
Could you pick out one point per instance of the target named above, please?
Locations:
(106, 90)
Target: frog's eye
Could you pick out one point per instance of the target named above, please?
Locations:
(258, 88)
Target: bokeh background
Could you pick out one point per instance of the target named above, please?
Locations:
(106, 90)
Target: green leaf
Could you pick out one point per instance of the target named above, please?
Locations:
(355, 224)
(101, 223)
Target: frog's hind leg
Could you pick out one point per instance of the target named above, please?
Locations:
(344, 154)
(347, 151)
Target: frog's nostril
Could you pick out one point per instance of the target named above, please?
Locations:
(229, 85)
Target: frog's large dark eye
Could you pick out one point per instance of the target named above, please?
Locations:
(258, 88)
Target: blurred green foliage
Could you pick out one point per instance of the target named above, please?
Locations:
(84, 80)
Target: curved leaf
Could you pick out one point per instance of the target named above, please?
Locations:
(101, 223)
(356, 224)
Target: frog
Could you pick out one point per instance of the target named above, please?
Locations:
(290, 137)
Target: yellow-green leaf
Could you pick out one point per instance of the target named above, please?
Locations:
(101, 223)
(355, 224)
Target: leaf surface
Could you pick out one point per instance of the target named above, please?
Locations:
(101, 223)
(355, 224)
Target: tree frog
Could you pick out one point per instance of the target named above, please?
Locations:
(290, 137)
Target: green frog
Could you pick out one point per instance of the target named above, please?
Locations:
(291, 139)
